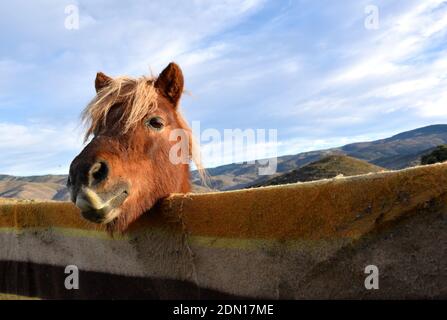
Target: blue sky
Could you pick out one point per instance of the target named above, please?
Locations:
(309, 69)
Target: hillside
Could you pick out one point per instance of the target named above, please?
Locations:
(48, 187)
(325, 168)
(397, 152)
(405, 144)
(403, 161)
(51, 178)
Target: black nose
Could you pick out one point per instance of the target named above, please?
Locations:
(98, 172)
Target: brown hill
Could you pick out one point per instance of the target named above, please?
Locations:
(47, 187)
(32, 190)
(325, 168)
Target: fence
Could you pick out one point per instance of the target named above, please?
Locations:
(297, 241)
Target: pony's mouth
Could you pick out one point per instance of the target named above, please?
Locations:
(95, 209)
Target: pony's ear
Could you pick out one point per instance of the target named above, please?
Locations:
(101, 81)
(170, 82)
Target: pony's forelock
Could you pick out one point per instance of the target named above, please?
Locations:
(137, 97)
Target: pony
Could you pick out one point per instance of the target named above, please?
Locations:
(132, 161)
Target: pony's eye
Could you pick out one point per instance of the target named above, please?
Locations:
(155, 123)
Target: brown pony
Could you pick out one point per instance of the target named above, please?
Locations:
(128, 165)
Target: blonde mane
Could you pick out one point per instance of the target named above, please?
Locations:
(137, 98)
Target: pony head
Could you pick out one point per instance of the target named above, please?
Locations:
(139, 152)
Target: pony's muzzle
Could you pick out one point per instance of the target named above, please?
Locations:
(97, 196)
(97, 209)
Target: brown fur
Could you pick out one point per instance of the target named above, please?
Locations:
(135, 154)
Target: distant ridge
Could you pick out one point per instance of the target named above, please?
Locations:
(55, 178)
(407, 143)
(47, 187)
(326, 168)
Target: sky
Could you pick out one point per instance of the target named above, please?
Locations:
(317, 72)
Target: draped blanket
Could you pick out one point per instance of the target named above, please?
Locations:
(298, 241)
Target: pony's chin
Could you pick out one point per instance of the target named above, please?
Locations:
(95, 209)
(102, 216)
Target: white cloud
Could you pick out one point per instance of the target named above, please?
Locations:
(402, 37)
(38, 149)
(433, 106)
(400, 68)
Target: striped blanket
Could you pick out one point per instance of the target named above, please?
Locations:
(298, 241)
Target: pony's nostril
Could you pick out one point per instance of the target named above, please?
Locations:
(98, 172)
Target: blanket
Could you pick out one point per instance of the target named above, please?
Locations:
(314, 240)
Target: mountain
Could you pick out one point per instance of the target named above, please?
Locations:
(325, 168)
(51, 178)
(397, 152)
(403, 161)
(48, 187)
(392, 150)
